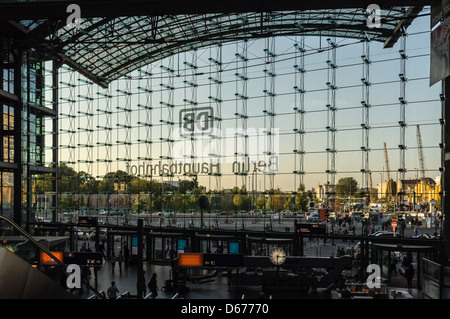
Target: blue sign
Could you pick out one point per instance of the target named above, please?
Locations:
(181, 243)
(134, 245)
(233, 248)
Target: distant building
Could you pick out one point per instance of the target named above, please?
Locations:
(381, 189)
(322, 191)
(414, 190)
(407, 188)
(426, 190)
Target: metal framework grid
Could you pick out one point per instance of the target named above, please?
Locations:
(105, 49)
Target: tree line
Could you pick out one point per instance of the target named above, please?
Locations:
(79, 190)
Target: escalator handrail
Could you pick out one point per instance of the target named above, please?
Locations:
(34, 241)
(43, 248)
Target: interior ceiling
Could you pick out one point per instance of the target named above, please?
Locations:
(107, 47)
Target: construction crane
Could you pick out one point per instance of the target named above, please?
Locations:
(370, 188)
(421, 157)
(388, 175)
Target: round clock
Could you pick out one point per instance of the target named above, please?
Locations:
(277, 256)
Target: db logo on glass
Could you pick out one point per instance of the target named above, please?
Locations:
(196, 121)
(374, 16)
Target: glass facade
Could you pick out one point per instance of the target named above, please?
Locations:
(107, 49)
(7, 194)
(7, 133)
(110, 49)
(23, 146)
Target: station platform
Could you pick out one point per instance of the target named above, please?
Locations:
(216, 287)
(126, 282)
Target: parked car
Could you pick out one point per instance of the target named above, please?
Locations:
(256, 212)
(115, 213)
(299, 214)
(286, 213)
(241, 213)
(313, 217)
(225, 213)
(166, 213)
(382, 234)
(192, 212)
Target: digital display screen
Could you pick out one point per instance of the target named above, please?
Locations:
(134, 245)
(83, 258)
(223, 260)
(317, 229)
(190, 260)
(181, 244)
(87, 221)
(210, 260)
(45, 259)
(233, 248)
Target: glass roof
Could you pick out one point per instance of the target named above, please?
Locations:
(105, 49)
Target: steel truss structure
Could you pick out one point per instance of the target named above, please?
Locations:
(106, 48)
(111, 47)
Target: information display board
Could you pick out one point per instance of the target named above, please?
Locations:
(233, 247)
(316, 229)
(45, 259)
(210, 260)
(87, 221)
(223, 260)
(83, 258)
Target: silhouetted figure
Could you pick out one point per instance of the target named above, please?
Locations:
(153, 286)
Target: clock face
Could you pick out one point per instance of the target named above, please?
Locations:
(277, 256)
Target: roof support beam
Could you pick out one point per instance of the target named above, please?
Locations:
(82, 70)
(403, 24)
(46, 9)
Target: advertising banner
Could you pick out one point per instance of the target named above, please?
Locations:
(440, 52)
(440, 9)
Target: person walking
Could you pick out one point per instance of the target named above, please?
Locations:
(409, 274)
(153, 286)
(144, 286)
(126, 254)
(113, 291)
(101, 248)
(393, 264)
(113, 262)
(120, 260)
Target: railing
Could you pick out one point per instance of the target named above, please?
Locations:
(94, 296)
(126, 294)
(148, 296)
(44, 249)
(30, 238)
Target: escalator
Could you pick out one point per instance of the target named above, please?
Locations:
(21, 280)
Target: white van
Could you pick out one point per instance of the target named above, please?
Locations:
(375, 207)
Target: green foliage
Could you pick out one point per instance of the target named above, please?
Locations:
(346, 187)
(302, 198)
(238, 201)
